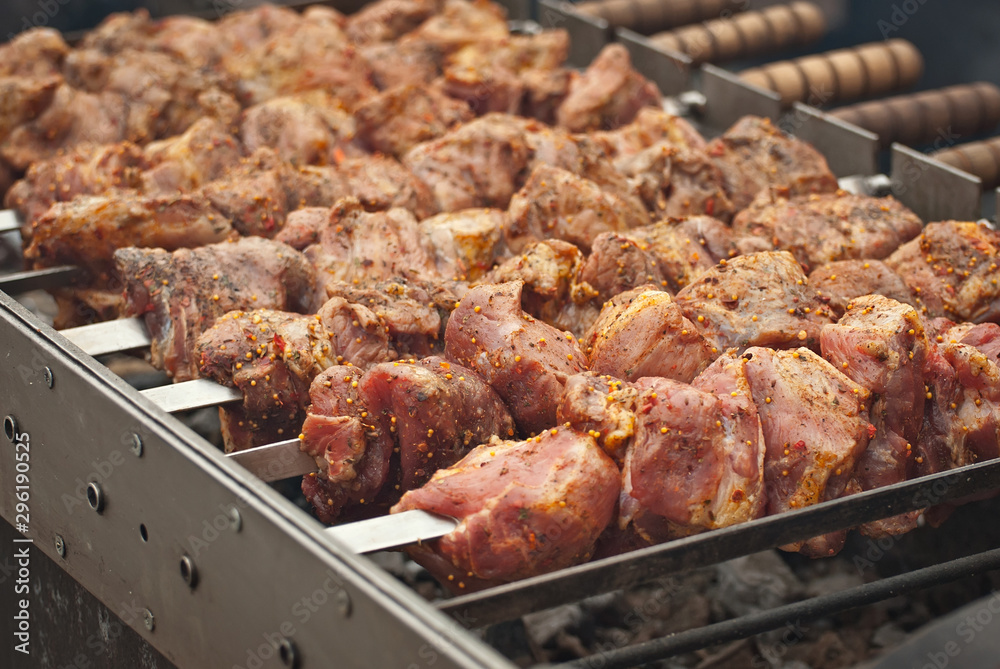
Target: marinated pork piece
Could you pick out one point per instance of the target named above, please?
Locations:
(388, 20)
(88, 230)
(762, 299)
(484, 87)
(397, 119)
(544, 91)
(555, 203)
(677, 182)
(815, 424)
(255, 195)
(642, 333)
(347, 244)
(753, 154)
(822, 228)
(837, 283)
(603, 407)
(650, 126)
(524, 508)
(549, 271)
(479, 164)
(204, 153)
(22, 99)
(616, 264)
(85, 170)
(880, 344)
(180, 294)
(406, 62)
(952, 271)
(962, 421)
(465, 243)
(381, 182)
(608, 95)
(984, 336)
(684, 247)
(33, 54)
(526, 361)
(413, 314)
(459, 23)
(308, 129)
(697, 461)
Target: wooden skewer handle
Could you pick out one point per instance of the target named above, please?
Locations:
(963, 110)
(845, 74)
(650, 16)
(979, 158)
(746, 35)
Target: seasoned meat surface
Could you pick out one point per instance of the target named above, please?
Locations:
(951, 268)
(837, 283)
(684, 247)
(753, 154)
(815, 424)
(556, 203)
(822, 228)
(881, 344)
(642, 333)
(309, 129)
(608, 95)
(761, 299)
(524, 508)
(397, 119)
(618, 263)
(180, 294)
(697, 461)
(465, 243)
(526, 361)
(650, 126)
(677, 182)
(603, 407)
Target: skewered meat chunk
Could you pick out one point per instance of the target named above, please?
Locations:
(675, 182)
(881, 344)
(413, 314)
(307, 129)
(526, 361)
(33, 54)
(544, 91)
(256, 195)
(524, 508)
(650, 126)
(815, 424)
(837, 283)
(387, 20)
(397, 119)
(952, 270)
(88, 230)
(347, 244)
(549, 271)
(555, 203)
(962, 421)
(761, 299)
(753, 154)
(642, 333)
(821, 228)
(460, 23)
(203, 153)
(180, 294)
(85, 170)
(21, 99)
(479, 164)
(603, 407)
(406, 62)
(608, 95)
(381, 182)
(465, 243)
(685, 247)
(984, 336)
(430, 412)
(618, 263)
(697, 461)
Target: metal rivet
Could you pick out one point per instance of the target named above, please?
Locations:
(342, 601)
(188, 571)
(148, 620)
(10, 427)
(49, 379)
(60, 546)
(287, 654)
(95, 497)
(136, 446)
(235, 519)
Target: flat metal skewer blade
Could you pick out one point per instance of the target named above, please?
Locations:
(392, 531)
(9, 221)
(109, 336)
(281, 460)
(37, 279)
(191, 395)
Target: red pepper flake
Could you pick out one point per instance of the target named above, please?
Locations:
(871, 430)
(338, 155)
(799, 445)
(278, 342)
(710, 206)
